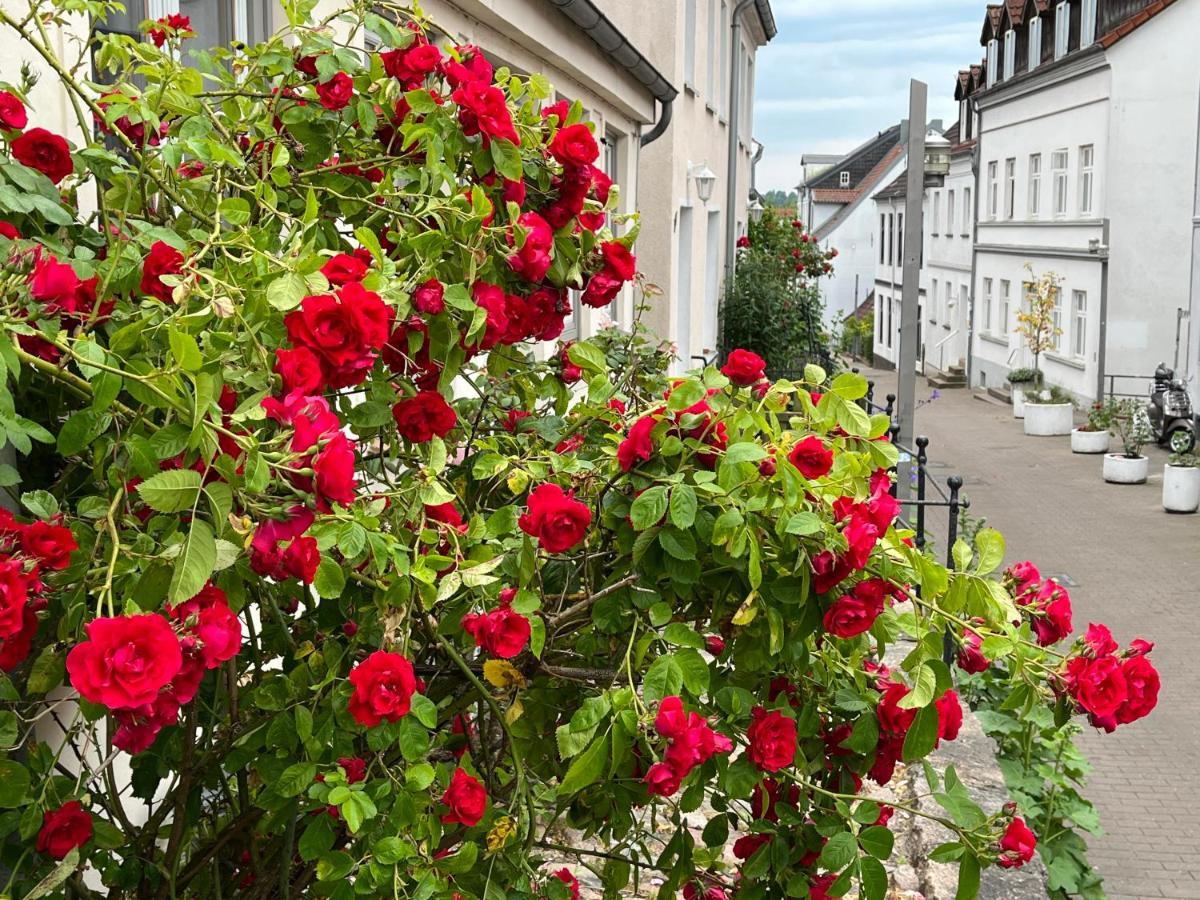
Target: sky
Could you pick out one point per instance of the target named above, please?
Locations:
(837, 73)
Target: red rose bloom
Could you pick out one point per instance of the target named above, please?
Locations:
(300, 371)
(1098, 684)
(601, 289)
(466, 798)
(574, 145)
(125, 661)
(638, 445)
(39, 149)
(618, 260)
(220, 634)
(555, 518)
(892, 718)
(572, 883)
(662, 780)
(429, 298)
(337, 92)
(852, 614)
(811, 457)
(355, 768)
(483, 110)
(532, 261)
(772, 740)
(9, 230)
(383, 687)
(163, 259)
(333, 472)
(51, 544)
(501, 632)
(490, 298)
(64, 829)
(12, 112)
(180, 23)
(14, 649)
(744, 368)
(1142, 684)
(950, 716)
(970, 656)
(345, 332)
(344, 268)
(422, 417)
(280, 551)
(1017, 846)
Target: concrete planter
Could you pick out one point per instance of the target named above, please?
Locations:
(1018, 402)
(1120, 469)
(1048, 419)
(1181, 488)
(1089, 441)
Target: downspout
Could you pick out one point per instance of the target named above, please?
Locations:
(754, 161)
(1103, 339)
(735, 70)
(660, 127)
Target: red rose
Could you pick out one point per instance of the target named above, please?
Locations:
(811, 457)
(560, 109)
(572, 883)
(423, 416)
(9, 230)
(125, 661)
(446, 514)
(638, 445)
(662, 780)
(950, 716)
(828, 571)
(1052, 613)
(472, 66)
(181, 24)
(1099, 640)
(39, 149)
(574, 145)
(555, 518)
(1098, 684)
(300, 559)
(12, 112)
(163, 259)
(344, 268)
(490, 298)
(618, 260)
(384, 684)
(64, 829)
(337, 92)
(772, 739)
(429, 297)
(601, 289)
(852, 614)
(279, 551)
(220, 634)
(345, 332)
(501, 632)
(861, 535)
(14, 649)
(970, 656)
(714, 644)
(333, 472)
(482, 109)
(300, 371)
(744, 368)
(466, 798)
(892, 718)
(1142, 683)
(532, 261)
(1017, 846)
(51, 544)
(355, 768)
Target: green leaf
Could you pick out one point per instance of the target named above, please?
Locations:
(682, 635)
(664, 678)
(236, 210)
(56, 876)
(286, 291)
(389, 850)
(335, 866)
(424, 711)
(744, 452)
(588, 357)
(804, 523)
(418, 777)
(185, 350)
(683, 506)
(922, 693)
(14, 783)
(413, 740)
(79, 431)
(841, 850)
(878, 841)
(649, 507)
(922, 735)
(850, 386)
(330, 580)
(873, 878)
(968, 879)
(587, 767)
(194, 564)
(962, 555)
(174, 490)
(990, 545)
(295, 779)
(679, 544)
(47, 672)
(41, 503)
(507, 160)
(317, 838)
(694, 670)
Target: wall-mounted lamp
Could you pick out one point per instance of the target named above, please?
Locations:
(705, 180)
(755, 210)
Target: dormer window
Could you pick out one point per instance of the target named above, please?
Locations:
(1087, 23)
(1010, 53)
(1062, 29)
(991, 62)
(1035, 42)
(844, 179)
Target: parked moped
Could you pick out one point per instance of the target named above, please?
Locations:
(1170, 412)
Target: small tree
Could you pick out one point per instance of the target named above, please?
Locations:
(1037, 325)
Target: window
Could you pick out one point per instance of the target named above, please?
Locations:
(1010, 53)
(1086, 180)
(689, 43)
(1010, 187)
(1087, 23)
(968, 216)
(844, 178)
(882, 238)
(1005, 293)
(937, 205)
(946, 303)
(710, 63)
(993, 200)
(1035, 185)
(1058, 168)
(985, 308)
(950, 213)
(1078, 324)
(991, 62)
(900, 239)
(891, 238)
(723, 74)
(1035, 42)
(935, 311)
(747, 102)
(1062, 29)
(1057, 319)
(890, 330)
(879, 301)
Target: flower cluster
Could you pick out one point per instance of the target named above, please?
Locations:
(28, 552)
(1112, 687)
(1045, 602)
(691, 742)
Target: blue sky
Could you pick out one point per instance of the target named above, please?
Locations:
(838, 72)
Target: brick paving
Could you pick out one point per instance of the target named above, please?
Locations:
(1137, 569)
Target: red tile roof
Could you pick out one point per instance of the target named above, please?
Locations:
(1134, 22)
(835, 195)
(1016, 10)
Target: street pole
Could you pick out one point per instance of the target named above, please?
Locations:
(910, 318)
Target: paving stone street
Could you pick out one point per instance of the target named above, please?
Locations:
(1129, 564)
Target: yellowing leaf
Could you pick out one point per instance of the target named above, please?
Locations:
(747, 611)
(502, 674)
(517, 481)
(504, 829)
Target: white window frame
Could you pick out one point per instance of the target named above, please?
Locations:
(1078, 324)
(986, 307)
(1010, 53)
(1035, 186)
(844, 178)
(1087, 179)
(968, 211)
(1005, 299)
(949, 213)
(1062, 29)
(1060, 164)
(1087, 23)
(1010, 187)
(936, 306)
(711, 61)
(1056, 320)
(689, 44)
(991, 62)
(1035, 42)
(882, 238)
(993, 186)
(937, 205)
(723, 87)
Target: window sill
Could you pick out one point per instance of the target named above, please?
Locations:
(1066, 361)
(945, 326)
(993, 339)
(690, 88)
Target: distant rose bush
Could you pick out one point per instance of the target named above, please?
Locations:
(324, 583)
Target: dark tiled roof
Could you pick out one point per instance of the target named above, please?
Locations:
(864, 187)
(897, 190)
(1133, 22)
(1016, 10)
(951, 134)
(859, 162)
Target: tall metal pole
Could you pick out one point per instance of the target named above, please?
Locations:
(910, 317)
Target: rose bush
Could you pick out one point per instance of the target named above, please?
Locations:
(323, 583)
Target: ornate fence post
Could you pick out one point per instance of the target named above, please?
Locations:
(955, 484)
(922, 458)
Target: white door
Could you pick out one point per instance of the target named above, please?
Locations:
(681, 328)
(712, 287)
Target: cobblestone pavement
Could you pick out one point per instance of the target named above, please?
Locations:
(1130, 565)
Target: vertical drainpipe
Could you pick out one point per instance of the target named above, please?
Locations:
(1102, 343)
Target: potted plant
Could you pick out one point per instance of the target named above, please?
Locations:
(1130, 424)
(1049, 412)
(1022, 381)
(1036, 325)
(1181, 483)
(1092, 435)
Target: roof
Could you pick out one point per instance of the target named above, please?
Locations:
(818, 158)
(897, 190)
(1016, 10)
(766, 17)
(834, 195)
(859, 162)
(1134, 22)
(951, 134)
(877, 172)
(864, 309)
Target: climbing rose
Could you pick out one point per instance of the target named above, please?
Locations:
(12, 112)
(555, 518)
(337, 92)
(466, 798)
(64, 829)
(345, 332)
(281, 550)
(1142, 684)
(618, 260)
(1098, 685)
(744, 368)
(662, 780)
(811, 457)
(429, 297)
(854, 613)
(14, 648)
(9, 230)
(39, 149)
(300, 370)
(772, 739)
(424, 416)
(180, 23)
(51, 544)
(1017, 845)
(574, 145)
(483, 110)
(355, 768)
(637, 445)
(125, 661)
(343, 268)
(501, 632)
(384, 684)
(950, 716)
(163, 259)
(566, 877)
(532, 261)
(970, 656)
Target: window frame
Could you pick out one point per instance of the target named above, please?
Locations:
(1087, 23)
(1034, 200)
(986, 306)
(1060, 176)
(1062, 29)
(1010, 187)
(1078, 324)
(968, 211)
(993, 186)
(1010, 53)
(991, 61)
(949, 213)
(1005, 302)
(844, 178)
(936, 201)
(689, 44)
(1035, 42)
(1087, 179)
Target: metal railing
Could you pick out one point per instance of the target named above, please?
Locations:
(1111, 390)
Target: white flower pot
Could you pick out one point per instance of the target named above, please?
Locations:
(1018, 402)
(1047, 419)
(1181, 488)
(1120, 469)
(1089, 441)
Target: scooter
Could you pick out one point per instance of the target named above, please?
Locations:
(1170, 412)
